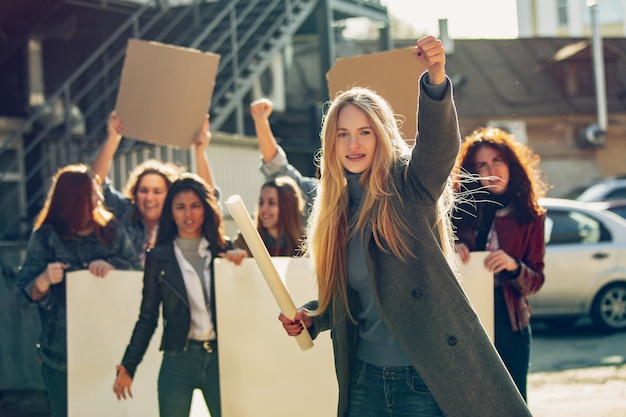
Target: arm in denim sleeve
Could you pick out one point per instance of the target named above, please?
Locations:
(126, 257)
(114, 200)
(38, 255)
(280, 166)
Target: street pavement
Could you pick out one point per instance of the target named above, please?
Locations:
(577, 372)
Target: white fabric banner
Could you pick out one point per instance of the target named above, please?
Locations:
(477, 283)
(263, 371)
(101, 315)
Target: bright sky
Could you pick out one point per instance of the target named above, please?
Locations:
(490, 19)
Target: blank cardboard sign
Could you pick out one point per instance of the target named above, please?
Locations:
(392, 74)
(165, 92)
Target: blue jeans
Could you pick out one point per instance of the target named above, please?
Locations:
(182, 372)
(514, 347)
(56, 385)
(389, 391)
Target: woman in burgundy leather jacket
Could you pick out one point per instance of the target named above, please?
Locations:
(498, 211)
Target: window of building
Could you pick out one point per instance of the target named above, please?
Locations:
(561, 13)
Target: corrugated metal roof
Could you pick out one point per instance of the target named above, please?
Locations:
(535, 76)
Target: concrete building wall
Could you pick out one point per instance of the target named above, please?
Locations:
(539, 18)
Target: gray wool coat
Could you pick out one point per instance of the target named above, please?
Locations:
(421, 300)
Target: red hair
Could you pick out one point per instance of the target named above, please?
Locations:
(69, 207)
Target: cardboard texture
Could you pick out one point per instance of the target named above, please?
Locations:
(392, 74)
(165, 92)
(262, 370)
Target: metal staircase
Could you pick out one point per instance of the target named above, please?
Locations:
(246, 33)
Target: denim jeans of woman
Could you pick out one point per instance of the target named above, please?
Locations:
(390, 391)
(182, 372)
(56, 385)
(513, 347)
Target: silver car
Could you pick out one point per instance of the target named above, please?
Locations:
(606, 189)
(616, 206)
(585, 266)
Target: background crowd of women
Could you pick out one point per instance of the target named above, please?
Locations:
(166, 222)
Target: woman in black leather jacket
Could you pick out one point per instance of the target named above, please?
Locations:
(179, 276)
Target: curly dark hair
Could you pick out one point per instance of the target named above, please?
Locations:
(526, 186)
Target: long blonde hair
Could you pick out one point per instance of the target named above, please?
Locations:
(328, 228)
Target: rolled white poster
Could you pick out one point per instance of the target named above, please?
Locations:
(264, 261)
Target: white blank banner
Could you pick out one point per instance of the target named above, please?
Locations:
(101, 315)
(263, 371)
(477, 283)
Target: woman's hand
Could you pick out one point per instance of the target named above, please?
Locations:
(115, 125)
(499, 260)
(463, 251)
(52, 275)
(203, 136)
(100, 268)
(296, 326)
(261, 109)
(235, 256)
(123, 382)
(429, 52)
(55, 272)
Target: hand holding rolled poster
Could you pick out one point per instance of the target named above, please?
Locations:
(264, 261)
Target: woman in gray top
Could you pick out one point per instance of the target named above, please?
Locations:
(179, 285)
(406, 340)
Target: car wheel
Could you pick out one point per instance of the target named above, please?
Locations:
(609, 307)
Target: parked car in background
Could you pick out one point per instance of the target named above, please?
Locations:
(585, 266)
(610, 188)
(616, 206)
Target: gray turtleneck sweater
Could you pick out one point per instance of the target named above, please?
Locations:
(376, 344)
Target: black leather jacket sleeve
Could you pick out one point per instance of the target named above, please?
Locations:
(148, 317)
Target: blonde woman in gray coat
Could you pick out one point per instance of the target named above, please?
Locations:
(406, 340)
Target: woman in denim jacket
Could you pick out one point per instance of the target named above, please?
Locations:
(498, 211)
(72, 232)
(178, 280)
(274, 161)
